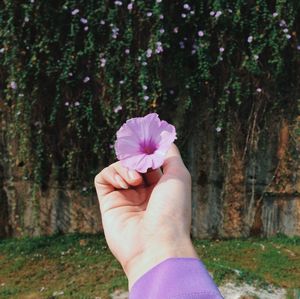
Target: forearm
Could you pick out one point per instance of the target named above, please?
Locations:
(155, 253)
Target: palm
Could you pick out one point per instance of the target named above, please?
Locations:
(123, 220)
(134, 215)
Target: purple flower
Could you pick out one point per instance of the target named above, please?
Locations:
(118, 108)
(75, 11)
(143, 142)
(159, 48)
(86, 79)
(115, 32)
(250, 39)
(187, 6)
(83, 21)
(282, 23)
(130, 6)
(103, 62)
(218, 13)
(149, 53)
(200, 33)
(13, 85)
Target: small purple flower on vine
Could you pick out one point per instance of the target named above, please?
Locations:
(75, 11)
(200, 33)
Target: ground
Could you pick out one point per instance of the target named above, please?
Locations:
(81, 266)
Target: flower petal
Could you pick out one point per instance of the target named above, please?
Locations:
(137, 162)
(144, 126)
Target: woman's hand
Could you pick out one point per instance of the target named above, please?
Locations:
(146, 218)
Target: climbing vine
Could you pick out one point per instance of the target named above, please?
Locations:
(72, 71)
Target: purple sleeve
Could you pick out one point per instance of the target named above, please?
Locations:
(176, 278)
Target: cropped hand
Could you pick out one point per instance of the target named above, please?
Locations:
(146, 218)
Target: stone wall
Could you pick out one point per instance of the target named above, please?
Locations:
(245, 188)
(243, 184)
(57, 210)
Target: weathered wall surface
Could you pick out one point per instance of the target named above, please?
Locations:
(55, 211)
(25, 211)
(4, 214)
(243, 184)
(246, 188)
(28, 211)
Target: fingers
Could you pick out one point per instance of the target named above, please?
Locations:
(114, 177)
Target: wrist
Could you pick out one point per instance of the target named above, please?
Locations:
(154, 254)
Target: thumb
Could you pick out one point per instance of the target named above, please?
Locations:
(173, 164)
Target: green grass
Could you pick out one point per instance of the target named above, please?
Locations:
(82, 266)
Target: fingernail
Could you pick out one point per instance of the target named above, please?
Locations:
(120, 181)
(132, 175)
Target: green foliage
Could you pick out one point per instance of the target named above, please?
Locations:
(82, 266)
(66, 66)
(254, 260)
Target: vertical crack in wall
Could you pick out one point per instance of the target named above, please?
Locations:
(5, 230)
(4, 216)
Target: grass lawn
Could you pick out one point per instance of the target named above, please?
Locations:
(81, 266)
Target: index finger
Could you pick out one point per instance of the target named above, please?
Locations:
(115, 177)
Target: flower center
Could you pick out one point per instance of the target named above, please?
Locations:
(148, 147)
